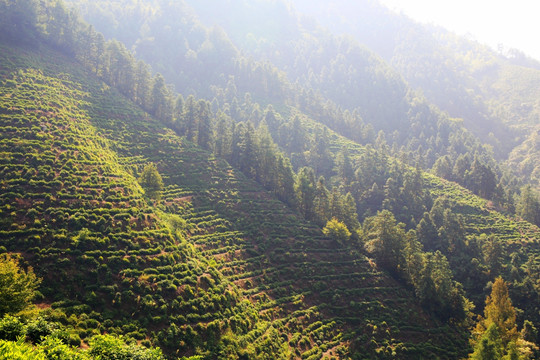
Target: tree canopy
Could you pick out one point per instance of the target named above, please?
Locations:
(151, 181)
(495, 335)
(337, 230)
(17, 286)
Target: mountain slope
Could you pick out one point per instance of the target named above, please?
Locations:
(237, 270)
(476, 220)
(91, 222)
(490, 90)
(332, 78)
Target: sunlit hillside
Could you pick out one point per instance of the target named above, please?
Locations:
(249, 180)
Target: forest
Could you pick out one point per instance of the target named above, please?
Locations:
(180, 184)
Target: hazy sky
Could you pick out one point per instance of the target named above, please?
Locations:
(515, 24)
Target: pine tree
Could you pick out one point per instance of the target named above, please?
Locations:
(304, 188)
(178, 113)
(498, 326)
(528, 206)
(271, 119)
(249, 163)
(285, 188)
(425, 288)
(162, 106)
(454, 232)
(443, 167)
(481, 179)
(320, 155)
(427, 232)
(267, 157)
(222, 147)
(461, 168)
(499, 310)
(344, 167)
(206, 136)
(297, 136)
(493, 253)
(490, 346)
(321, 203)
(350, 217)
(412, 254)
(143, 82)
(190, 126)
(384, 238)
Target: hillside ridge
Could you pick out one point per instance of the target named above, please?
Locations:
(295, 252)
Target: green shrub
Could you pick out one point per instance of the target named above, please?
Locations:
(19, 351)
(111, 347)
(38, 329)
(11, 328)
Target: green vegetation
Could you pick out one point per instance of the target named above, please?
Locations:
(495, 335)
(270, 222)
(53, 347)
(213, 270)
(337, 230)
(151, 181)
(17, 287)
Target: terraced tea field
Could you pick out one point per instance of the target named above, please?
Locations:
(216, 264)
(520, 240)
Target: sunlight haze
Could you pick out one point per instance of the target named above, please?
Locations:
(511, 23)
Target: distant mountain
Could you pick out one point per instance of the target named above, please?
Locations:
(493, 92)
(295, 63)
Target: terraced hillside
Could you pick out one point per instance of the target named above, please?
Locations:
(217, 267)
(519, 240)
